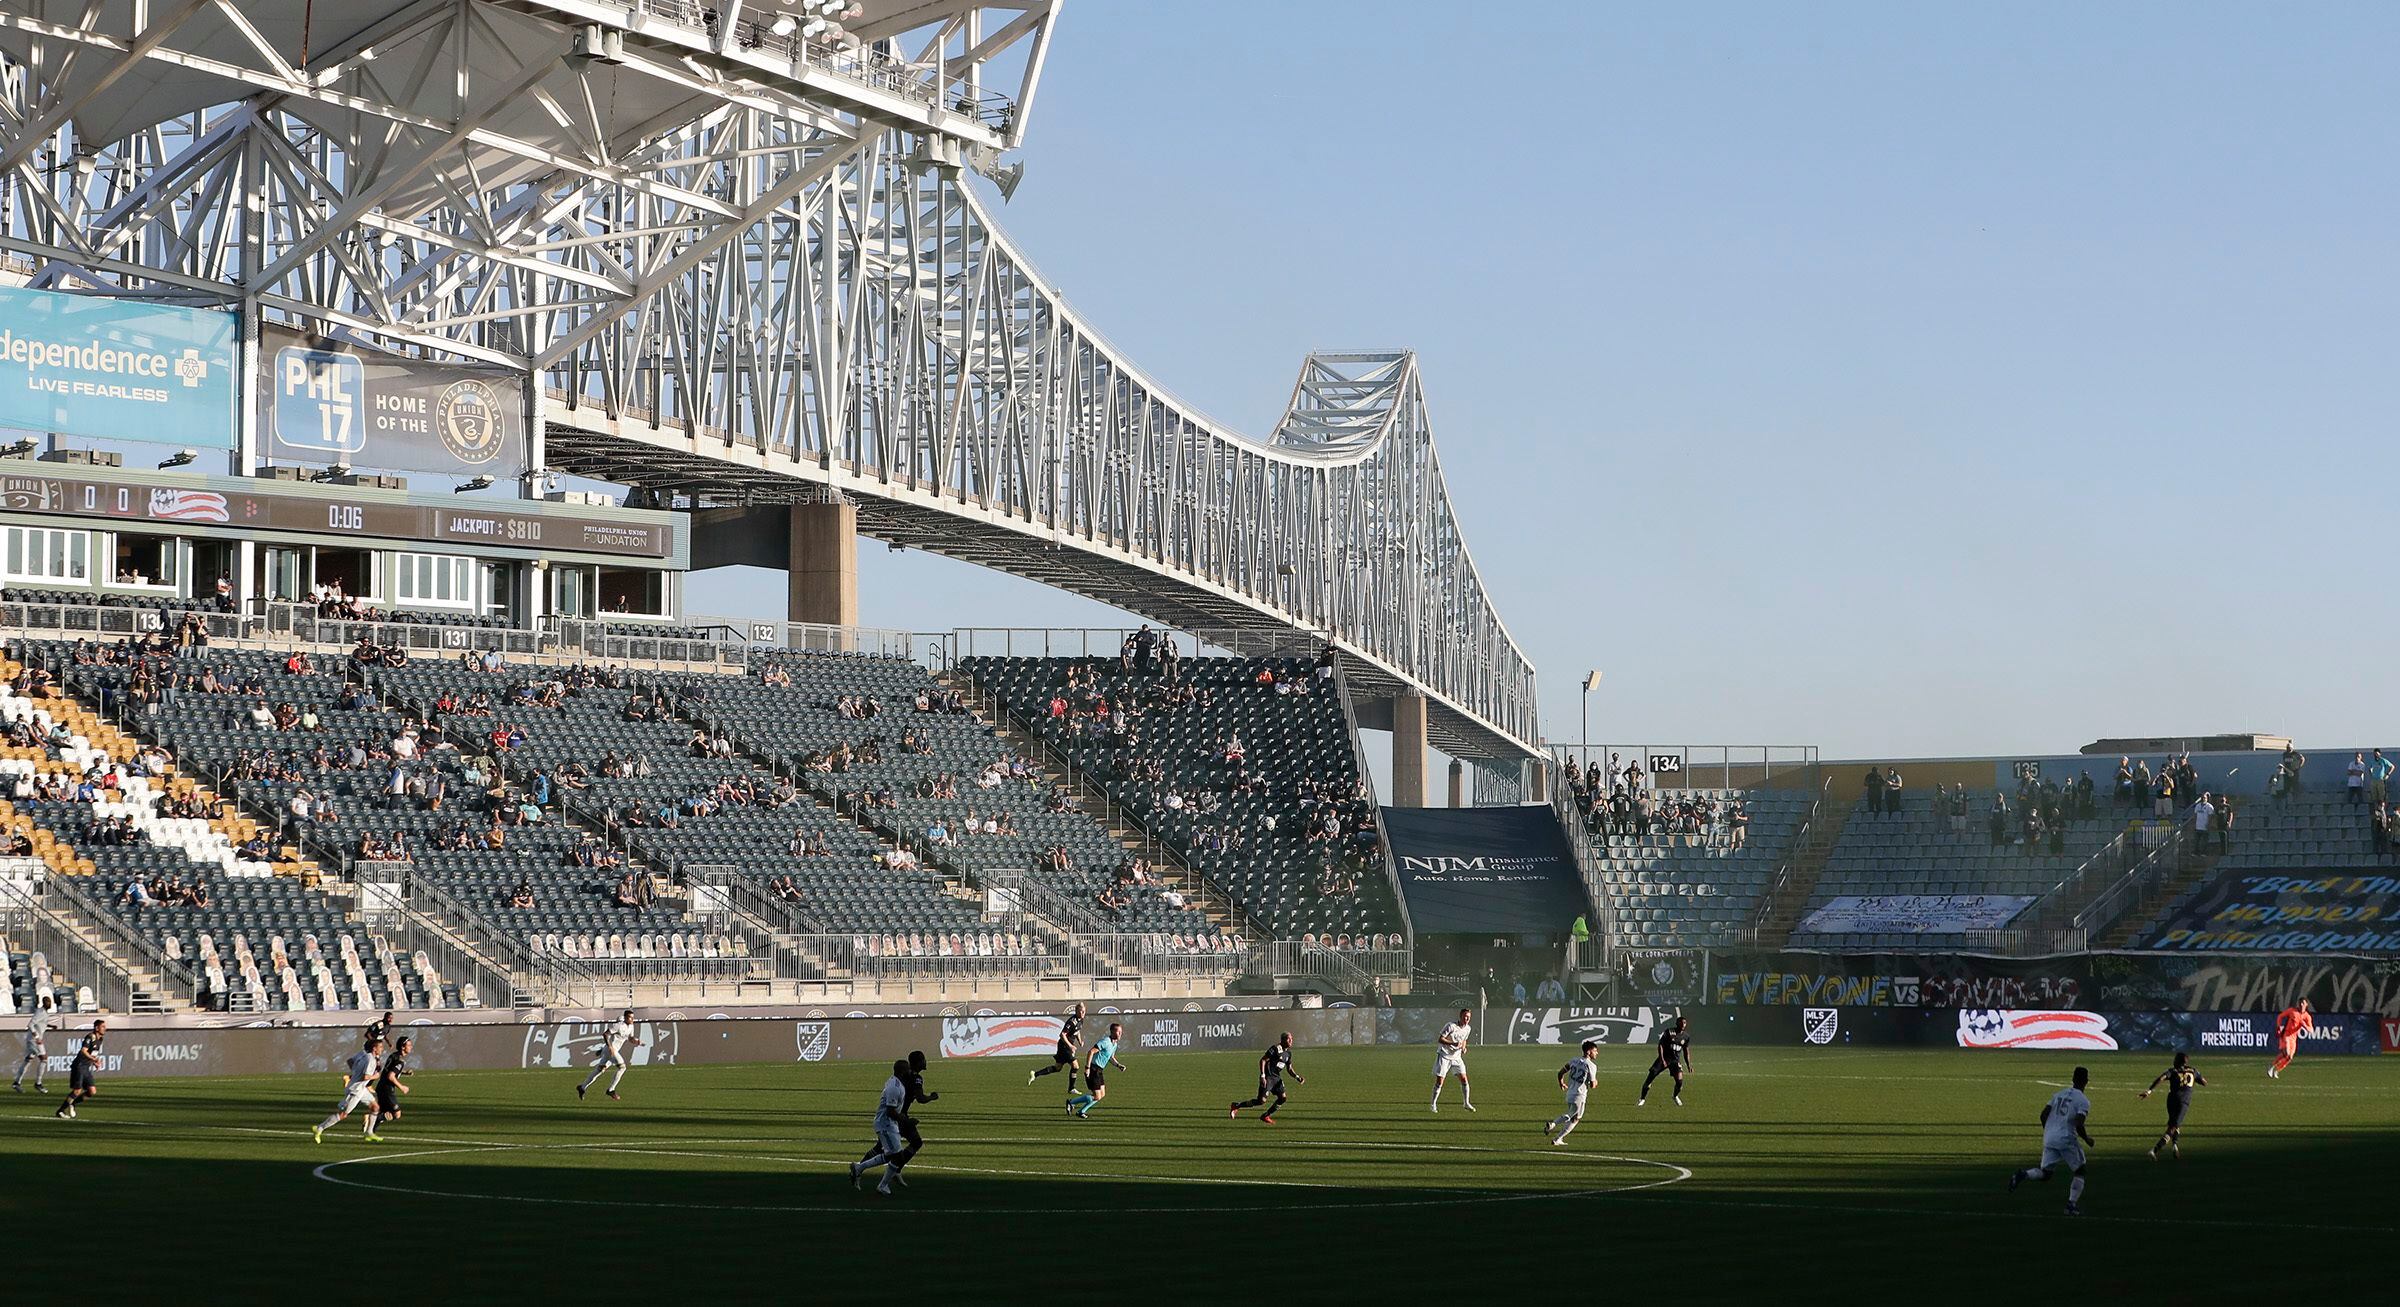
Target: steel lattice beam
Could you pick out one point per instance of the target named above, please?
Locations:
(746, 269)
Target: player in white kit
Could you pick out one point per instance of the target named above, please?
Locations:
(2063, 1141)
(1576, 1079)
(890, 1144)
(37, 1053)
(615, 1043)
(358, 1092)
(1451, 1055)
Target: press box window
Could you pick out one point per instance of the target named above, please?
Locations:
(41, 554)
(437, 581)
(144, 560)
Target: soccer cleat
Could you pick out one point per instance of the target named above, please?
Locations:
(2073, 1210)
(1033, 1075)
(612, 1095)
(2015, 1178)
(1233, 1112)
(19, 1086)
(1437, 1107)
(374, 1139)
(1469, 1106)
(2153, 1154)
(1558, 1143)
(1268, 1119)
(855, 1172)
(318, 1131)
(896, 1178)
(1678, 1100)
(581, 1090)
(1643, 1101)
(885, 1188)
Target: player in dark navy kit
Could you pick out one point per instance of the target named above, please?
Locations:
(1070, 1038)
(387, 1083)
(2179, 1079)
(84, 1073)
(913, 1092)
(1674, 1059)
(1273, 1066)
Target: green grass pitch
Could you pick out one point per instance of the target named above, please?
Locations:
(1809, 1174)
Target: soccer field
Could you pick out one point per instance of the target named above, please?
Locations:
(1798, 1173)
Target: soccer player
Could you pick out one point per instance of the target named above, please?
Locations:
(2290, 1024)
(380, 1028)
(2179, 1079)
(357, 1092)
(1452, 1056)
(388, 1087)
(1070, 1037)
(2063, 1141)
(891, 1145)
(620, 1037)
(83, 1074)
(913, 1082)
(1272, 1067)
(37, 1052)
(1575, 1079)
(1095, 1071)
(1674, 1059)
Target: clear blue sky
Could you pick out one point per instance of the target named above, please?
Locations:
(1901, 379)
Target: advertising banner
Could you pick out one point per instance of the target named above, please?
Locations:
(86, 365)
(327, 402)
(1914, 914)
(2300, 912)
(2391, 1033)
(1485, 871)
(1670, 976)
(2040, 1028)
(1571, 1026)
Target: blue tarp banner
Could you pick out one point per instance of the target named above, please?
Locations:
(1485, 871)
(84, 365)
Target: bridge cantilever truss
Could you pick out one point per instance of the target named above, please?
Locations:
(747, 266)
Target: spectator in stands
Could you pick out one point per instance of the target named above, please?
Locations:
(2354, 783)
(1874, 789)
(2379, 824)
(522, 895)
(2379, 779)
(1998, 822)
(1892, 785)
(2203, 813)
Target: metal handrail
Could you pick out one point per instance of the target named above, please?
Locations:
(14, 901)
(178, 977)
(1783, 869)
(1579, 839)
(1383, 842)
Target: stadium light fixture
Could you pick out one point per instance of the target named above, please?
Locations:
(180, 458)
(19, 449)
(783, 24)
(1591, 682)
(471, 483)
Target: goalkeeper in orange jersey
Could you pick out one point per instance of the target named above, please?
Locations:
(2290, 1025)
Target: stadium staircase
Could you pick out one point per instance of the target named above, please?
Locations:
(1093, 802)
(2197, 870)
(1819, 831)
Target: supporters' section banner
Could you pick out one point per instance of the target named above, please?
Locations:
(2234, 982)
(1915, 914)
(1669, 976)
(2391, 1034)
(1898, 980)
(2201, 1034)
(1485, 871)
(85, 365)
(327, 402)
(2302, 912)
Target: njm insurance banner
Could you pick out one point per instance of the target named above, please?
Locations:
(1485, 871)
(327, 402)
(113, 369)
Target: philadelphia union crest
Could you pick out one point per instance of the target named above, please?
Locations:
(471, 419)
